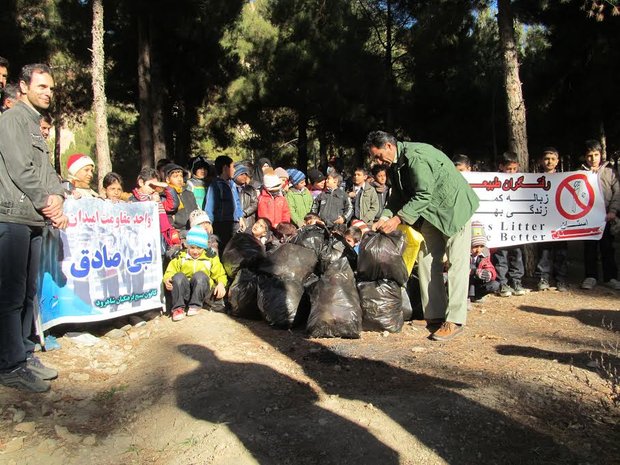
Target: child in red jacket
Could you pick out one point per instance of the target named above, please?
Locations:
(272, 205)
(482, 273)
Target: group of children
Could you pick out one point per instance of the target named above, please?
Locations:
(502, 269)
(203, 207)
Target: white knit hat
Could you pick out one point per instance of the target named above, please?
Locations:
(272, 181)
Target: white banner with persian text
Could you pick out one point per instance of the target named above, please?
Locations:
(106, 264)
(522, 208)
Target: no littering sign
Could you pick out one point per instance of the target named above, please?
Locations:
(574, 197)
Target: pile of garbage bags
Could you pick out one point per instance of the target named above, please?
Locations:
(318, 281)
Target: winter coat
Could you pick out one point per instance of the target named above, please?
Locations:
(273, 207)
(211, 266)
(369, 204)
(331, 204)
(299, 203)
(482, 262)
(222, 204)
(425, 184)
(249, 203)
(179, 216)
(27, 178)
(198, 187)
(609, 185)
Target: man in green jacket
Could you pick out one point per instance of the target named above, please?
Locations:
(428, 192)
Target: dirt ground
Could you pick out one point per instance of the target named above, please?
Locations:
(523, 385)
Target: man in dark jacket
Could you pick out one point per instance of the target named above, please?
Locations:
(31, 195)
(429, 192)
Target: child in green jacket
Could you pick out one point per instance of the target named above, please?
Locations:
(298, 197)
(193, 276)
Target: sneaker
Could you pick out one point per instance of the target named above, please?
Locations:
(588, 283)
(480, 300)
(518, 289)
(613, 284)
(192, 311)
(434, 324)
(34, 364)
(24, 379)
(447, 331)
(505, 290)
(178, 314)
(543, 284)
(561, 286)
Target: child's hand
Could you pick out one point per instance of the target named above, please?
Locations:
(218, 292)
(339, 220)
(168, 284)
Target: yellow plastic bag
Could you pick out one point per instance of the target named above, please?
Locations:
(413, 241)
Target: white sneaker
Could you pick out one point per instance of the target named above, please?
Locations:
(613, 284)
(588, 283)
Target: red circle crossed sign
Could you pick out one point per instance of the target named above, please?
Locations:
(582, 209)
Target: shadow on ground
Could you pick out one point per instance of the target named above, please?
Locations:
(606, 319)
(436, 412)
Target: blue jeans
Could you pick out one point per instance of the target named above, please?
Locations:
(20, 252)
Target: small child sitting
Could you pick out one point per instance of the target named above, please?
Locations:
(353, 236)
(482, 273)
(261, 230)
(193, 275)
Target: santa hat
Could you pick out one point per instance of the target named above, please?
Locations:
(478, 235)
(361, 225)
(78, 161)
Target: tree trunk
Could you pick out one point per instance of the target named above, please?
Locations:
(144, 91)
(302, 141)
(157, 98)
(517, 133)
(104, 164)
(389, 119)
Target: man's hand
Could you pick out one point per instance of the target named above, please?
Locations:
(377, 224)
(219, 291)
(168, 284)
(60, 222)
(390, 225)
(53, 209)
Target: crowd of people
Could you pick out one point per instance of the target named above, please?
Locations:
(203, 206)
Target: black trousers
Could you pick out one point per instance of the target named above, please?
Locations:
(509, 264)
(20, 252)
(190, 292)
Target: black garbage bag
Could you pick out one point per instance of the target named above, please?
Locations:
(381, 257)
(242, 251)
(407, 308)
(312, 237)
(278, 300)
(243, 296)
(335, 310)
(381, 305)
(289, 261)
(334, 248)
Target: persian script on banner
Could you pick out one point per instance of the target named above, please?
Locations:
(524, 208)
(107, 263)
